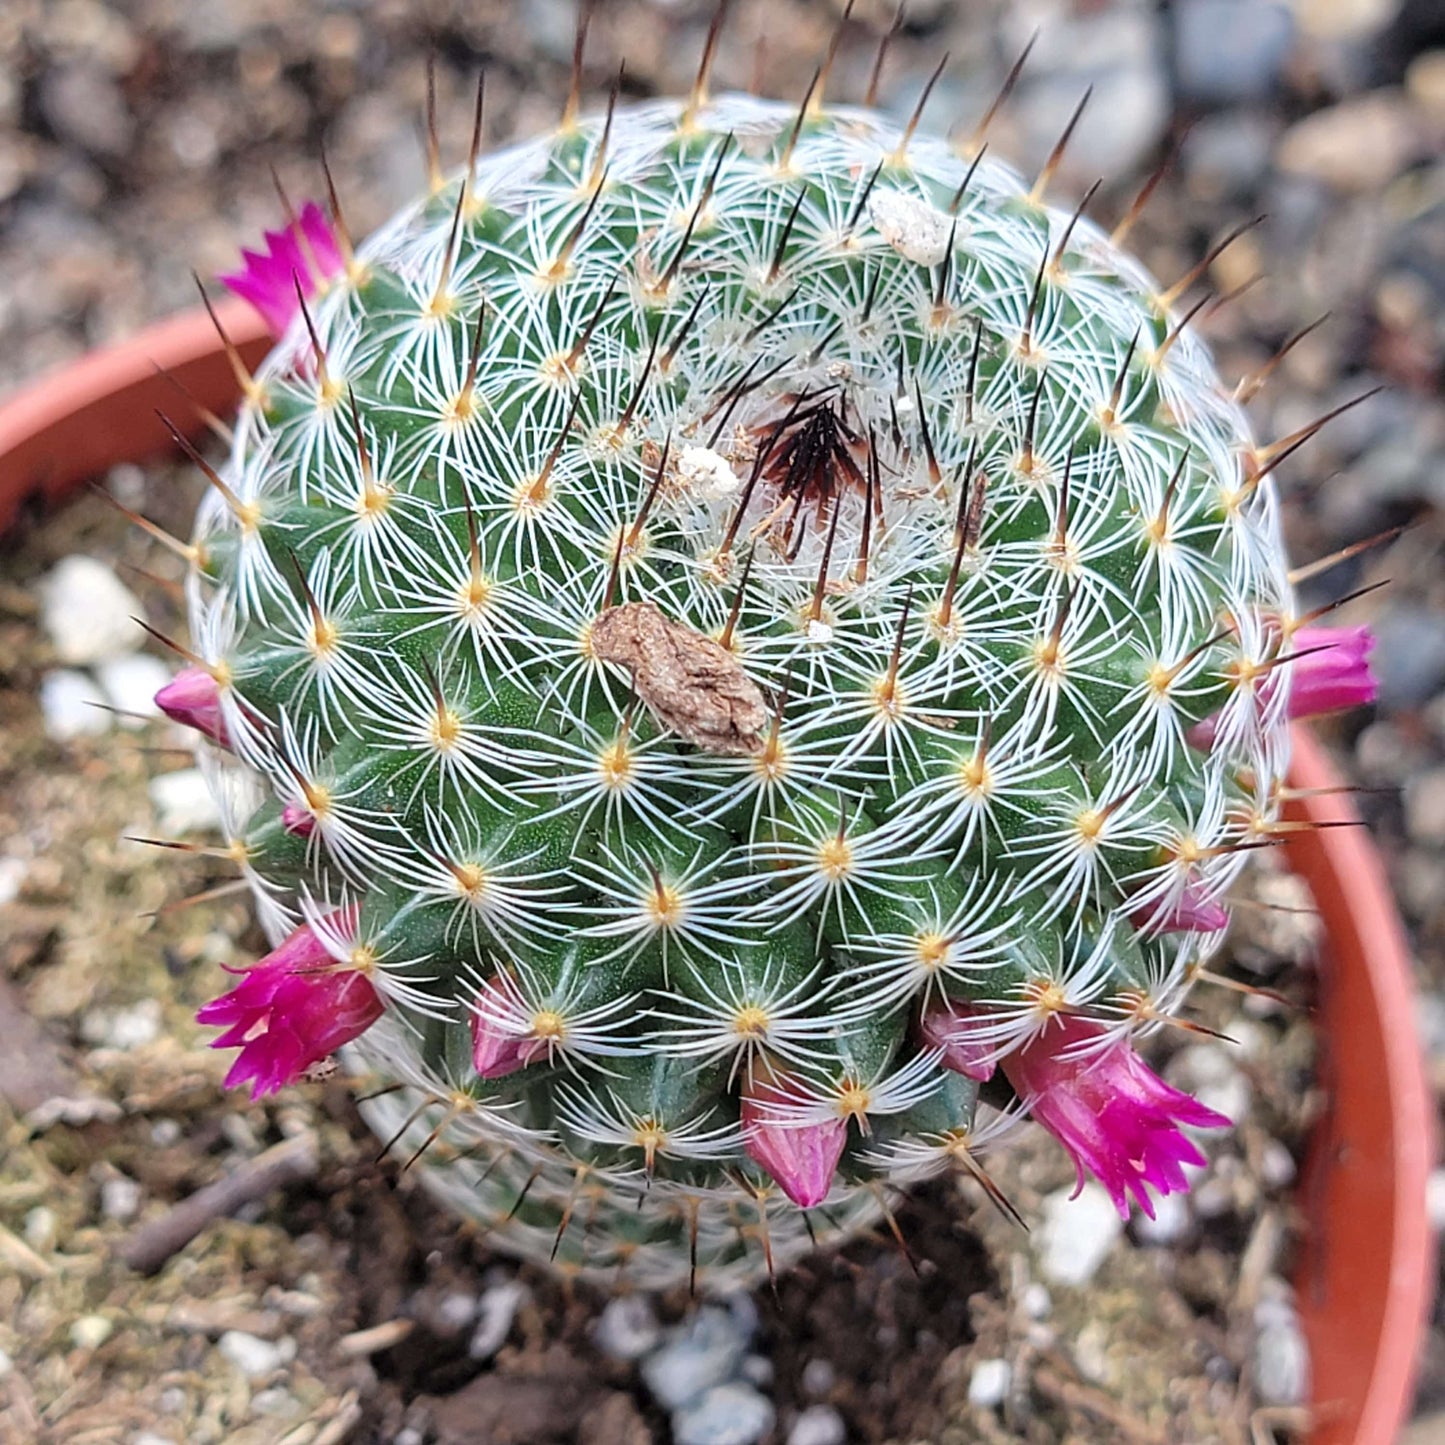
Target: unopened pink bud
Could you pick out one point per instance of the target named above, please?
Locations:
(1192, 912)
(1331, 671)
(1328, 669)
(952, 1029)
(497, 1048)
(802, 1158)
(298, 821)
(193, 697)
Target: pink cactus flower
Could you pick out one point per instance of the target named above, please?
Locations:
(290, 1010)
(1117, 1118)
(307, 253)
(1333, 670)
(1191, 911)
(496, 1049)
(945, 1027)
(298, 821)
(802, 1158)
(193, 697)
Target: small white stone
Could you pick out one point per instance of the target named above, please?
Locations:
(988, 1385)
(707, 473)
(279, 1403)
(253, 1356)
(1036, 1302)
(758, 1370)
(72, 706)
(1091, 1353)
(90, 1332)
(40, 1227)
(1276, 1165)
(1282, 1363)
(149, 1437)
(165, 1132)
(127, 1028)
(627, 1328)
(818, 1425)
(183, 803)
(1077, 1234)
(6, 1364)
(12, 876)
(495, 1313)
(819, 1377)
(120, 1198)
(700, 1353)
(131, 683)
(457, 1310)
(911, 226)
(731, 1414)
(88, 612)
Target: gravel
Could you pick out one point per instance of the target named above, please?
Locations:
(818, 1425)
(989, 1382)
(183, 803)
(1077, 1234)
(627, 1327)
(88, 612)
(731, 1414)
(706, 1351)
(72, 705)
(495, 1312)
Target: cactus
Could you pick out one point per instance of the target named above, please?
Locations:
(720, 627)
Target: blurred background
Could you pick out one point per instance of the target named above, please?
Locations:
(137, 141)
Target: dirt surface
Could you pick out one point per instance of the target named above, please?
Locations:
(135, 141)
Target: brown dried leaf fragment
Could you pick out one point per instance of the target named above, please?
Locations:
(693, 685)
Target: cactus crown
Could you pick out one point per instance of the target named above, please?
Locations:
(716, 601)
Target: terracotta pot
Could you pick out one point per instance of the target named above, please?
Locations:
(1366, 1280)
(72, 425)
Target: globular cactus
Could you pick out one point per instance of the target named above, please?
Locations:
(723, 625)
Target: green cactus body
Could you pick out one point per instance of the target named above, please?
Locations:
(975, 525)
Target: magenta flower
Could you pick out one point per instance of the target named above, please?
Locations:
(306, 254)
(802, 1158)
(944, 1027)
(291, 1010)
(1332, 670)
(193, 697)
(1116, 1117)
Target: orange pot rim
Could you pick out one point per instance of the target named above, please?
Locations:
(1366, 1278)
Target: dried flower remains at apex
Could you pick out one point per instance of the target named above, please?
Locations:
(722, 593)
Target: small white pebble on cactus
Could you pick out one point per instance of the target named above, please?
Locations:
(746, 620)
